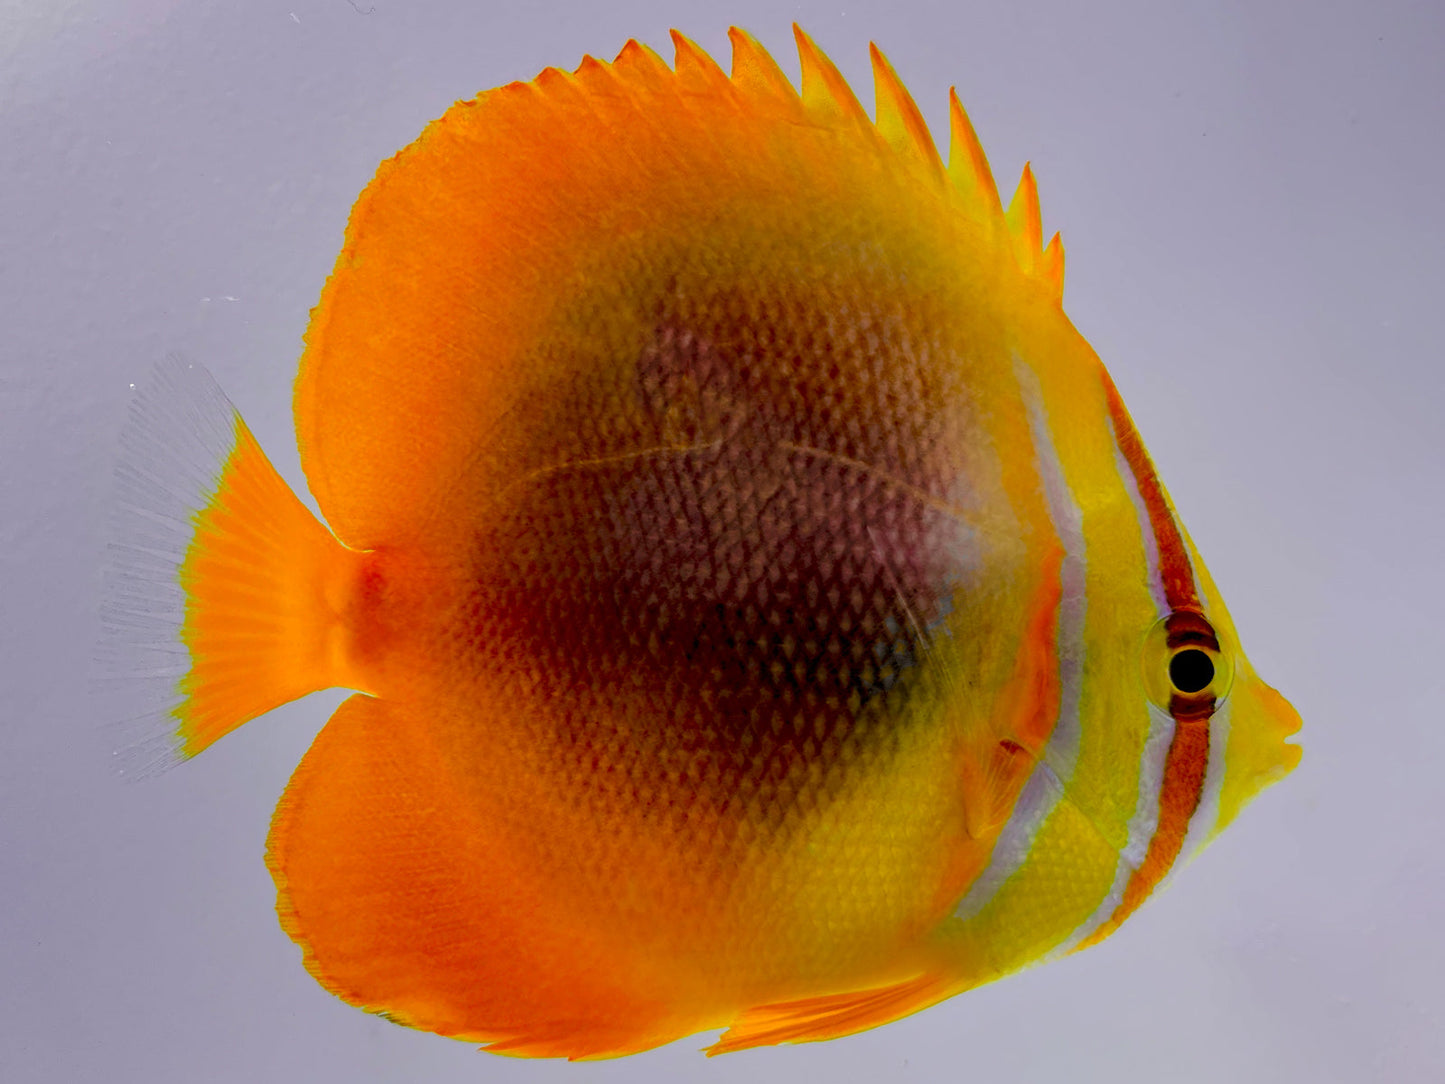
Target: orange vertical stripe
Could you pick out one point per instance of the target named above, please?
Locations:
(1188, 757)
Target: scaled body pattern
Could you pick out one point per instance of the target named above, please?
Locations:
(763, 612)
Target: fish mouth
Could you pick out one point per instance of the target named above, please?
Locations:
(1287, 723)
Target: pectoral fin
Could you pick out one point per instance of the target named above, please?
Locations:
(833, 1015)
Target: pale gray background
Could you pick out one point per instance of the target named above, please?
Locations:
(1251, 195)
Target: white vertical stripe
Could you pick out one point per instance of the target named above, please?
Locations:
(1145, 821)
(1142, 824)
(1155, 753)
(1046, 784)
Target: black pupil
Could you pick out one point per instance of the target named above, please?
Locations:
(1191, 670)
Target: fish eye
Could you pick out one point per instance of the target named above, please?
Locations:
(1191, 670)
(1186, 668)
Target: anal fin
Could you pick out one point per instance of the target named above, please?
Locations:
(407, 900)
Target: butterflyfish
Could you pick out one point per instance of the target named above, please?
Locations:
(761, 609)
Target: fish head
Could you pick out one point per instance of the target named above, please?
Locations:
(1184, 731)
(1258, 749)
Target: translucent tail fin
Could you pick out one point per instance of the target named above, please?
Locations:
(224, 596)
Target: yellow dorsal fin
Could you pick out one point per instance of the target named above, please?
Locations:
(968, 165)
(694, 66)
(755, 71)
(899, 121)
(825, 90)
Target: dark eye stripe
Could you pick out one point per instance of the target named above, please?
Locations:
(1174, 567)
(1186, 628)
(1187, 762)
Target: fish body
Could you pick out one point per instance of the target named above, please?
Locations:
(763, 611)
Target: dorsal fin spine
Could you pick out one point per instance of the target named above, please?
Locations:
(692, 62)
(754, 69)
(1053, 265)
(1025, 223)
(824, 88)
(548, 78)
(898, 117)
(968, 166)
(640, 60)
(591, 65)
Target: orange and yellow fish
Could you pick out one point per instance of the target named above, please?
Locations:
(762, 611)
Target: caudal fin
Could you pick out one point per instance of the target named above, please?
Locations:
(224, 596)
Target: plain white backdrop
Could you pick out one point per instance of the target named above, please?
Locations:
(1250, 194)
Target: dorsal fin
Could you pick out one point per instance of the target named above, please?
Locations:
(898, 118)
(899, 122)
(499, 182)
(825, 90)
